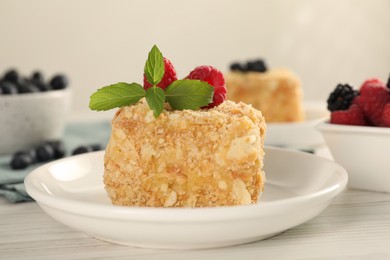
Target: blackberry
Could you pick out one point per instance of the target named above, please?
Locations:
(253, 65)
(388, 82)
(238, 67)
(257, 65)
(341, 98)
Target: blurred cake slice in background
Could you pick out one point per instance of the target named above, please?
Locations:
(277, 93)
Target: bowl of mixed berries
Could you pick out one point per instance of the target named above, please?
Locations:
(358, 133)
(32, 109)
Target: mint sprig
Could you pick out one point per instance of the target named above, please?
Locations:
(181, 94)
(154, 66)
(116, 95)
(154, 71)
(189, 94)
(156, 99)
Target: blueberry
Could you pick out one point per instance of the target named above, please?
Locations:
(59, 82)
(58, 147)
(20, 84)
(20, 160)
(256, 65)
(82, 149)
(45, 152)
(8, 88)
(96, 147)
(33, 155)
(39, 83)
(25, 86)
(42, 86)
(37, 76)
(11, 75)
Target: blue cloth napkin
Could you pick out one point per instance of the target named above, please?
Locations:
(76, 134)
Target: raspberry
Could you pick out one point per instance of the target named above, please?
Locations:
(353, 116)
(372, 100)
(386, 116)
(374, 82)
(215, 78)
(169, 76)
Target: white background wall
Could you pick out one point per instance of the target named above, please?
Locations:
(102, 42)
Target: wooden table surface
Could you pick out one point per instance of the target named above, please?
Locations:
(355, 226)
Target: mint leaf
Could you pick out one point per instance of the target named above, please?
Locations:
(116, 95)
(156, 98)
(189, 94)
(154, 66)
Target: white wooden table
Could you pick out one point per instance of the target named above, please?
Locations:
(355, 226)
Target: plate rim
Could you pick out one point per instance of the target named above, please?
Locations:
(180, 214)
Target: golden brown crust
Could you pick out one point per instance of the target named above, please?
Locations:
(276, 93)
(185, 158)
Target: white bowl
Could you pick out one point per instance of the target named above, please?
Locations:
(364, 152)
(29, 119)
(71, 190)
(299, 135)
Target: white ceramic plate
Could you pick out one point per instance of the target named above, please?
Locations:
(299, 186)
(302, 135)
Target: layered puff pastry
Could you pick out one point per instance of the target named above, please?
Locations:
(203, 158)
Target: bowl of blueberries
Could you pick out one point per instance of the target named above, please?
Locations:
(32, 109)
